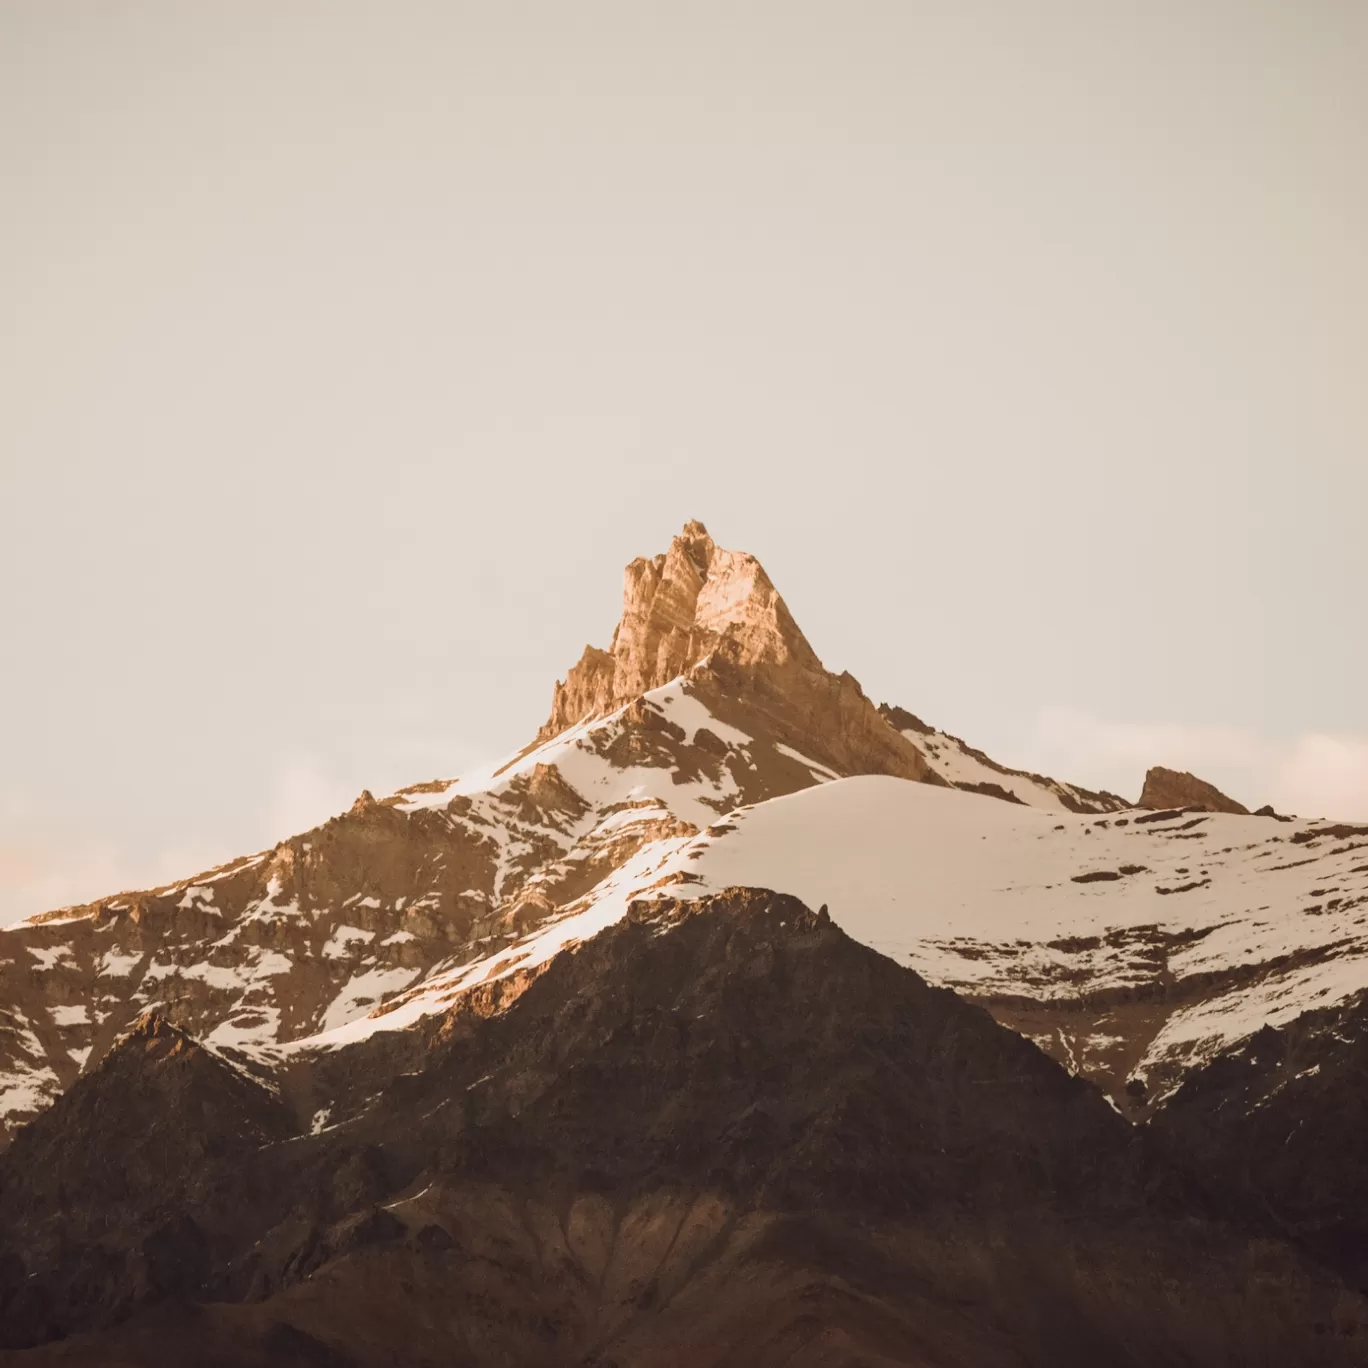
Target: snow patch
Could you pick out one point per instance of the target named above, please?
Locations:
(115, 965)
(363, 993)
(342, 938)
(49, 957)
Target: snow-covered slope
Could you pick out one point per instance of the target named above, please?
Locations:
(1133, 947)
(964, 767)
(333, 922)
(1160, 938)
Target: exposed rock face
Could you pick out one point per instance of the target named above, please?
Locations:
(677, 608)
(720, 1133)
(1166, 788)
(271, 947)
(714, 617)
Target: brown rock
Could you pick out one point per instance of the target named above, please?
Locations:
(1166, 788)
(720, 1133)
(677, 608)
(715, 616)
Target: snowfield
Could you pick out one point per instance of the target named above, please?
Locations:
(1000, 900)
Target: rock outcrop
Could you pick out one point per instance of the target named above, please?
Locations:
(677, 609)
(1166, 788)
(714, 617)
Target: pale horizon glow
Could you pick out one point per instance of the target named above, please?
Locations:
(347, 354)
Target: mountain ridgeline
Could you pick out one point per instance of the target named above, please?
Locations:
(735, 1019)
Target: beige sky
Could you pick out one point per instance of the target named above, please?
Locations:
(348, 351)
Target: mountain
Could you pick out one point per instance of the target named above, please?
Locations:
(1132, 945)
(720, 1132)
(309, 936)
(555, 1063)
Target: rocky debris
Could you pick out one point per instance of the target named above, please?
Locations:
(990, 790)
(1166, 788)
(1335, 831)
(719, 1132)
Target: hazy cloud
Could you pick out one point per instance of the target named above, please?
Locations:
(1312, 774)
(41, 872)
(1325, 774)
(49, 858)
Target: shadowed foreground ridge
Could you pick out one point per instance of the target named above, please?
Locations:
(720, 1132)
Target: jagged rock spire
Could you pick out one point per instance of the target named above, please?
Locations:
(677, 609)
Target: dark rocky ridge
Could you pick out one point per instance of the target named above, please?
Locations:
(1277, 1125)
(719, 1132)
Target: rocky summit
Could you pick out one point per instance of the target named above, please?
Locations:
(677, 610)
(734, 1019)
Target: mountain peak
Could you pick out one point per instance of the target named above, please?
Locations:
(695, 532)
(678, 608)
